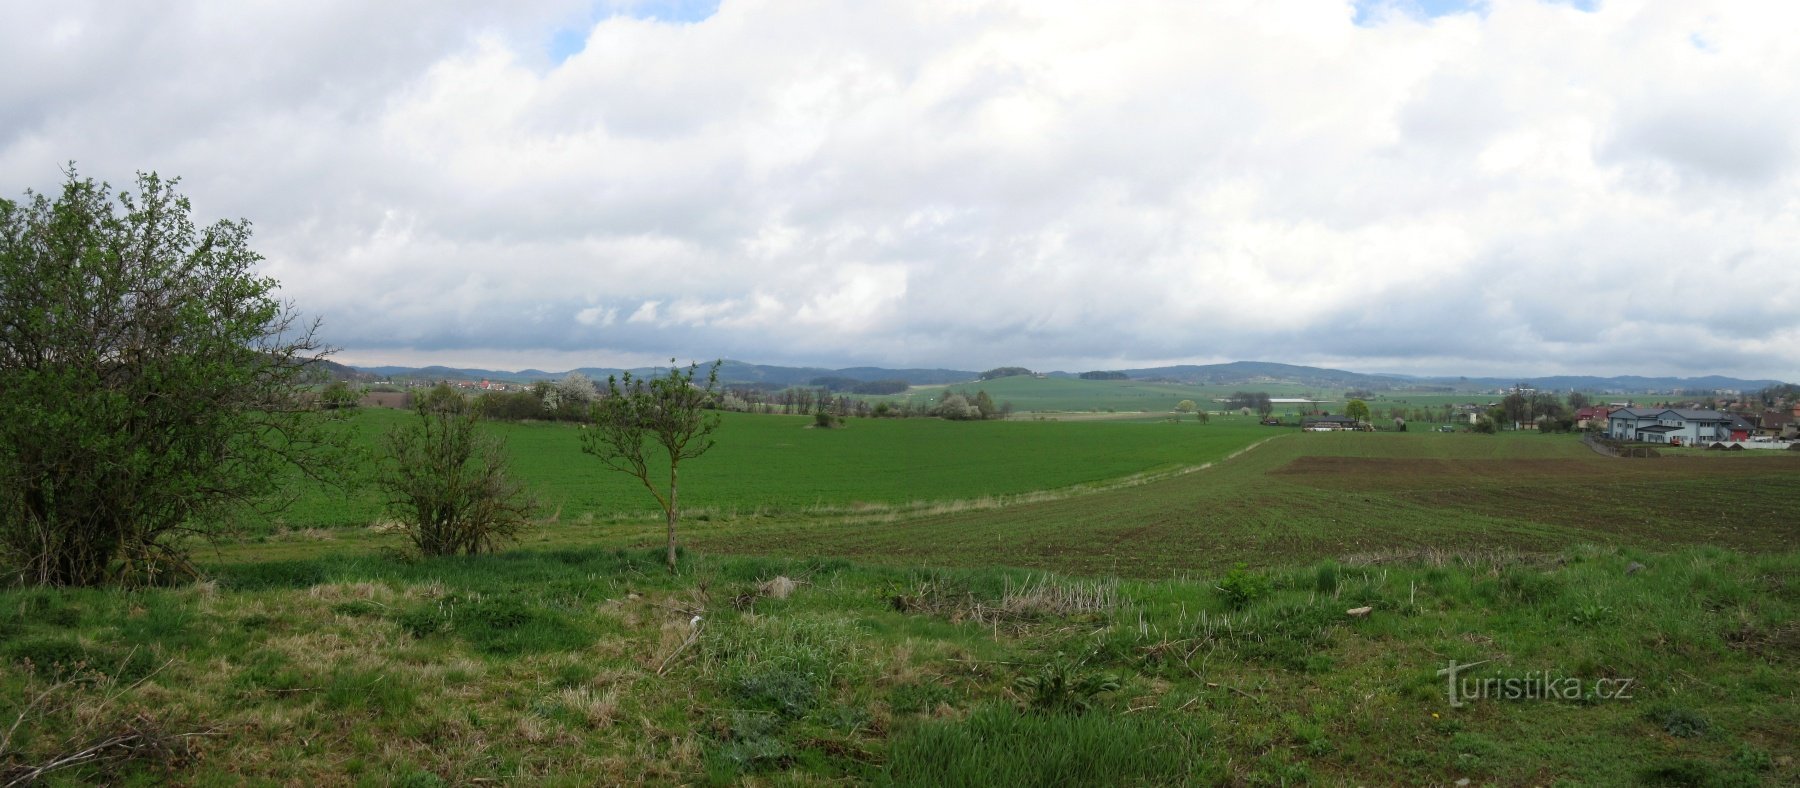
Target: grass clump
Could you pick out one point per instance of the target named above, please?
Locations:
(998, 745)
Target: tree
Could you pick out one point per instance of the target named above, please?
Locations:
(1185, 406)
(984, 404)
(956, 407)
(1004, 372)
(448, 483)
(153, 383)
(668, 411)
(1201, 416)
(1578, 400)
(338, 395)
(1357, 409)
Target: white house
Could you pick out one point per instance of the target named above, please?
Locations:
(1668, 425)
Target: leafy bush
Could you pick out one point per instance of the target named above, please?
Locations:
(1240, 587)
(448, 484)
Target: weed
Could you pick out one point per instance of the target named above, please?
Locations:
(1679, 721)
(1325, 578)
(1239, 587)
(1062, 686)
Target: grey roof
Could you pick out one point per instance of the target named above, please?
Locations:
(1680, 413)
(1702, 415)
(1331, 419)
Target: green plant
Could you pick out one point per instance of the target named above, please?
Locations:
(1239, 587)
(1061, 686)
(1679, 721)
(448, 484)
(1325, 578)
(667, 410)
(153, 384)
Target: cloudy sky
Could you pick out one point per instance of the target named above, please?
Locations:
(1431, 186)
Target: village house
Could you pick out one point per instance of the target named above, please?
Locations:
(1678, 427)
(1592, 417)
(1779, 423)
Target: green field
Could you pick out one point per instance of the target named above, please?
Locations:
(1182, 628)
(777, 465)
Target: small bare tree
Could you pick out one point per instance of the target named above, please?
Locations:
(668, 411)
(448, 483)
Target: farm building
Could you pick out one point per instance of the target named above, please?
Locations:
(1670, 425)
(1323, 423)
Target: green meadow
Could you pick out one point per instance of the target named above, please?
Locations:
(781, 465)
(1028, 393)
(919, 602)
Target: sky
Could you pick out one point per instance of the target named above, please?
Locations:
(1474, 187)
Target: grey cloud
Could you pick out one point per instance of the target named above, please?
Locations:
(900, 183)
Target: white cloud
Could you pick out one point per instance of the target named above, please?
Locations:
(1048, 183)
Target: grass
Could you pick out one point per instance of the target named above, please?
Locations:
(778, 465)
(1180, 628)
(578, 666)
(1314, 496)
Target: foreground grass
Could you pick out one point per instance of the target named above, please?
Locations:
(583, 666)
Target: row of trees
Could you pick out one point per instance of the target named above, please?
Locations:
(855, 386)
(1254, 400)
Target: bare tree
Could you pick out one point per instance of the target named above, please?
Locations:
(667, 412)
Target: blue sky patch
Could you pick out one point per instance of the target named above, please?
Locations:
(1368, 12)
(569, 41)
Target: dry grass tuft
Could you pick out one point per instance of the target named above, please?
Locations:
(599, 710)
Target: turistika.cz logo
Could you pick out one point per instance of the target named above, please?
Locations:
(1532, 685)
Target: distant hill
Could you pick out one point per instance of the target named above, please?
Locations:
(1236, 373)
(1621, 383)
(331, 370)
(1251, 372)
(729, 372)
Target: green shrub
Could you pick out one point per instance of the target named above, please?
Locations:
(1240, 587)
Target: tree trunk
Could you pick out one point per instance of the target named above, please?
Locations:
(674, 514)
